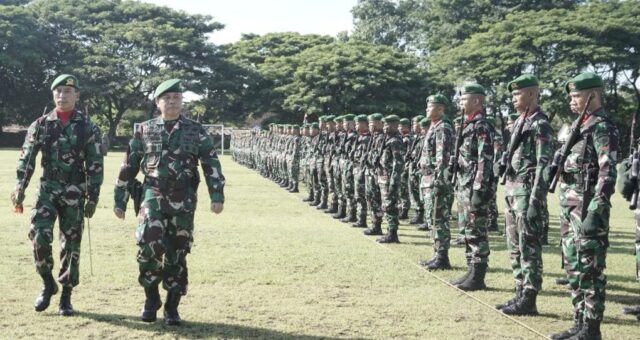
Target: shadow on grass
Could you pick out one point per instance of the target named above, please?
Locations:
(195, 329)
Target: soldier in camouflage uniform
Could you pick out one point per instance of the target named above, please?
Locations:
(314, 170)
(346, 168)
(587, 182)
(415, 175)
(374, 198)
(168, 152)
(528, 154)
(437, 190)
(306, 161)
(359, 156)
(460, 238)
(497, 153)
(321, 151)
(474, 179)
(294, 159)
(336, 169)
(408, 137)
(627, 186)
(388, 166)
(72, 164)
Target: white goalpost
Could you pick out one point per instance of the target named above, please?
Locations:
(216, 131)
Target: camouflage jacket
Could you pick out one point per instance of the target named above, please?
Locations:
(437, 149)
(69, 153)
(391, 162)
(373, 153)
(592, 161)
(359, 153)
(171, 158)
(532, 157)
(350, 145)
(415, 151)
(475, 163)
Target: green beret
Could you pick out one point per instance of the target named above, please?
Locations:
(272, 124)
(65, 80)
(323, 118)
(349, 117)
(424, 122)
(525, 80)
(329, 118)
(584, 81)
(338, 119)
(405, 121)
(439, 99)
(315, 126)
(171, 85)
(361, 118)
(391, 119)
(473, 89)
(305, 126)
(295, 126)
(375, 117)
(417, 118)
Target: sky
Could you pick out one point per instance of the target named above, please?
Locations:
(265, 16)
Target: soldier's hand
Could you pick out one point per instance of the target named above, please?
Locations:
(217, 207)
(590, 224)
(532, 212)
(477, 199)
(119, 213)
(90, 209)
(17, 197)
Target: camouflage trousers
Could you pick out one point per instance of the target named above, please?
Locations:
(637, 216)
(523, 240)
(294, 170)
(323, 184)
(415, 178)
(390, 197)
(164, 236)
(404, 198)
(56, 200)
(584, 258)
(374, 198)
(360, 196)
(473, 221)
(348, 189)
(336, 171)
(331, 189)
(493, 213)
(438, 203)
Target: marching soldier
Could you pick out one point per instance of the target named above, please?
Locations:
(474, 178)
(437, 190)
(168, 152)
(527, 156)
(72, 164)
(588, 174)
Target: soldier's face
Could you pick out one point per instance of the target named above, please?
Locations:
(390, 127)
(434, 111)
(323, 125)
(314, 132)
(65, 98)
(375, 125)
(405, 129)
(470, 103)
(331, 126)
(579, 100)
(416, 127)
(363, 127)
(170, 104)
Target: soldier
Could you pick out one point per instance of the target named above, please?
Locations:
(72, 165)
(374, 198)
(408, 137)
(359, 156)
(336, 170)
(497, 152)
(294, 160)
(414, 151)
(588, 176)
(168, 152)
(322, 195)
(388, 165)
(315, 163)
(346, 167)
(437, 190)
(474, 178)
(527, 157)
(460, 238)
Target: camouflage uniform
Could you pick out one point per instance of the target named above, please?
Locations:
(71, 155)
(374, 196)
(415, 178)
(169, 162)
(404, 198)
(360, 174)
(347, 169)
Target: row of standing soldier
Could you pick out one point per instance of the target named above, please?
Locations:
(358, 165)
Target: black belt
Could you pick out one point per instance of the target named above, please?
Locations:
(166, 183)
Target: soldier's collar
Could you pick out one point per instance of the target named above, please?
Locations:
(76, 115)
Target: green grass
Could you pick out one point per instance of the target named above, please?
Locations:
(271, 267)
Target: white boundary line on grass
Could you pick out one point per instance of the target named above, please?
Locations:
(459, 290)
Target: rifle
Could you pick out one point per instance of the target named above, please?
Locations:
(19, 208)
(505, 162)
(453, 160)
(560, 157)
(634, 160)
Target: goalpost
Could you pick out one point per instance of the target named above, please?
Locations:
(216, 131)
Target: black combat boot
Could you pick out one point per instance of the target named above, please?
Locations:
(390, 237)
(49, 289)
(631, 310)
(294, 188)
(351, 216)
(171, 315)
(513, 300)
(316, 199)
(577, 326)
(526, 305)
(309, 198)
(424, 227)
(361, 223)
(425, 263)
(323, 203)
(441, 261)
(66, 309)
(590, 331)
(404, 214)
(151, 304)
(333, 208)
(464, 277)
(475, 281)
(419, 218)
(341, 213)
(376, 229)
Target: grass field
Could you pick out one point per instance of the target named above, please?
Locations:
(271, 267)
